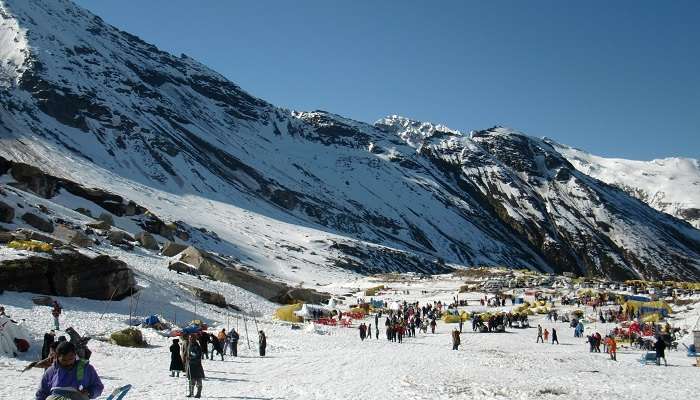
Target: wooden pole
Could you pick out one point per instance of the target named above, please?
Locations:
(108, 302)
(247, 336)
(131, 300)
(253, 313)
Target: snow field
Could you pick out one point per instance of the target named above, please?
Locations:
(332, 363)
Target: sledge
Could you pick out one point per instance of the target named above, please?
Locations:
(119, 393)
(648, 358)
(692, 352)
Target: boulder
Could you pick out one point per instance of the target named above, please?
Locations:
(84, 211)
(6, 237)
(223, 271)
(38, 222)
(72, 236)
(68, 273)
(301, 295)
(101, 225)
(28, 234)
(183, 268)
(156, 226)
(81, 240)
(42, 300)
(147, 241)
(207, 296)
(117, 237)
(129, 337)
(182, 234)
(171, 249)
(131, 209)
(31, 178)
(106, 218)
(7, 213)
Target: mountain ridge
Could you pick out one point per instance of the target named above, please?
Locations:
(106, 109)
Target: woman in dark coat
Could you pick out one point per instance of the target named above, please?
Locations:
(195, 372)
(176, 364)
(262, 343)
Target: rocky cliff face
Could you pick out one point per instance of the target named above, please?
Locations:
(105, 109)
(68, 273)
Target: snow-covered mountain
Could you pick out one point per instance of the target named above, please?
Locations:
(307, 191)
(671, 185)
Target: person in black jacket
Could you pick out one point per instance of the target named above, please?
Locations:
(233, 342)
(204, 345)
(216, 345)
(176, 364)
(660, 347)
(262, 343)
(49, 338)
(195, 372)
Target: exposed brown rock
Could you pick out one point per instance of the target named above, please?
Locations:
(68, 273)
(38, 222)
(220, 270)
(171, 249)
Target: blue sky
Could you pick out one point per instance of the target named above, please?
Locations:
(615, 78)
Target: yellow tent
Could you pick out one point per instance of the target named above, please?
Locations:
(286, 313)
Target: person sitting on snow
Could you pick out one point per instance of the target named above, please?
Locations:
(69, 377)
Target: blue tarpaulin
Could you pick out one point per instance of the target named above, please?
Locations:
(377, 303)
(191, 329)
(152, 320)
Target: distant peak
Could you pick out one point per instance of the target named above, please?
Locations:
(412, 131)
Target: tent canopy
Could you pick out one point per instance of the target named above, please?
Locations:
(648, 307)
(307, 311)
(9, 331)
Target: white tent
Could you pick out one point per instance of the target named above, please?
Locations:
(307, 311)
(9, 331)
(332, 303)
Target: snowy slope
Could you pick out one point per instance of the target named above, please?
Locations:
(671, 185)
(296, 192)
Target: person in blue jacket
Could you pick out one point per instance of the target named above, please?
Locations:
(69, 377)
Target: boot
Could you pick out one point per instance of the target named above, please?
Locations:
(199, 392)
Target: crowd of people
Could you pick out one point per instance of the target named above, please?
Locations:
(69, 375)
(66, 359)
(187, 355)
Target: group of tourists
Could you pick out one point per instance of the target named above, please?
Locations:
(404, 322)
(187, 355)
(543, 335)
(69, 375)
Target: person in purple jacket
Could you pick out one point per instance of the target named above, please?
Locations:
(69, 377)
